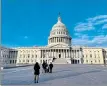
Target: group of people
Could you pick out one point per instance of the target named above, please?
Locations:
(46, 69)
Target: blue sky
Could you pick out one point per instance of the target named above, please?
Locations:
(29, 22)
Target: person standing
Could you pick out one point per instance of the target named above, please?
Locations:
(36, 72)
(43, 67)
(46, 67)
(50, 67)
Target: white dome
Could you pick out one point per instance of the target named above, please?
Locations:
(59, 25)
(59, 29)
(59, 34)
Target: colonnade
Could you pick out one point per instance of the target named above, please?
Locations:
(59, 39)
(71, 54)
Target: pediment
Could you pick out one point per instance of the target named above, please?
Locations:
(59, 46)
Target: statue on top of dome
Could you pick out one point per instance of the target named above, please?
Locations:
(59, 18)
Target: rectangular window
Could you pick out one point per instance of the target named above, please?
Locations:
(86, 55)
(95, 56)
(19, 60)
(91, 62)
(10, 61)
(28, 55)
(32, 56)
(91, 55)
(15, 61)
(23, 56)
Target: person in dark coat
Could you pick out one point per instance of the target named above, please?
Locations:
(44, 66)
(50, 67)
(36, 72)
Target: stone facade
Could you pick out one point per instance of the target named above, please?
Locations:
(59, 48)
(8, 57)
(92, 55)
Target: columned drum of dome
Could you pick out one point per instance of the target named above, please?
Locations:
(59, 34)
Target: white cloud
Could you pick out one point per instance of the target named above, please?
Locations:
(77, 34)
(85, 36)
(91, 23)
(84, 27)
(100, 22)
(100, 40)
(97, 18)
(78, 41)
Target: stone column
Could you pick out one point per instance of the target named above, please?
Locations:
(55, 53)
(81, 57)
(74, 55)
(41, 56)
(49, 54)
(65, 52)
(53, 40)
(69, 53)
(52, 52)
(78, 56)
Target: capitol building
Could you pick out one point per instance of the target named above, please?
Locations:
(59, 50)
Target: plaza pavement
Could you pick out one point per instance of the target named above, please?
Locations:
(63, 75)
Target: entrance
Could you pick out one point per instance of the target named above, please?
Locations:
(59, 55)
(73, 61)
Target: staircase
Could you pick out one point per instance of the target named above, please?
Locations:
(60, 61)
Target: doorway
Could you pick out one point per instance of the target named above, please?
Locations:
(59, 55)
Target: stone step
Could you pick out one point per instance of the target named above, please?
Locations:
(60, 61)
